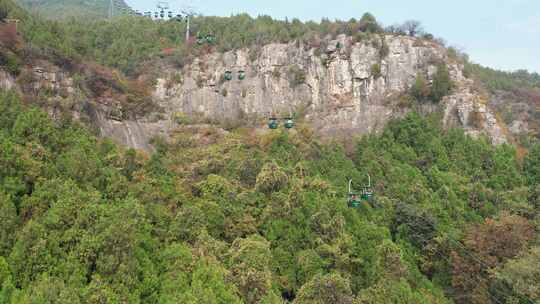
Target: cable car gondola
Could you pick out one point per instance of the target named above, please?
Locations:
(273, 123)
(354, 200)
(210, 38)
(228, 75)
(241, 75)
(170, 14)
(289, 123)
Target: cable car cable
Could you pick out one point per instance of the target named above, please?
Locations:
(467, 251)
(447, 259)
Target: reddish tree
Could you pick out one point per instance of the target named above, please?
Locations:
(8, 36)
(486, 246)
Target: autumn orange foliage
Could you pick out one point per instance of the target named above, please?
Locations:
(487, 246)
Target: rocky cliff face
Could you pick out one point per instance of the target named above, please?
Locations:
(353, 87)
(61, 92)
(350, 87)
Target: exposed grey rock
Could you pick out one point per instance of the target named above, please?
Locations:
(335, 91)
(6, 81)
(134, 134)
(339, 95)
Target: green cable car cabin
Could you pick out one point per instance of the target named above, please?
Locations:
(241, 75)
(367, 194)
(210, 39)
(289, 123)
(200, 39)
(228, 75)
(273, 123)
(354, 200)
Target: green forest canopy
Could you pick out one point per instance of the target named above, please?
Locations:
(263, 218)
(128, 42)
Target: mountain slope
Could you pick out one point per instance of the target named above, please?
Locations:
(61, 9)
(348, 91)
(344, 85)
(252, 218)
(516, 96)
(341, 76)
(251, 215)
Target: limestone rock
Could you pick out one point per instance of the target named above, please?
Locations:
(338, 95)
(349, 88)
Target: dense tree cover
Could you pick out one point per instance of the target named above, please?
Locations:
(501, 80)
(128, 42)
(255, 218)
(248, 218)
(9, 9)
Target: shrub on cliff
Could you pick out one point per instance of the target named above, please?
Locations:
(420, 89)
(442, 83)
(376, 70)
(441, 86)
(297, 76)
(369, 24)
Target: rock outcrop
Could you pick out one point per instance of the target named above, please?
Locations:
(60, 92)
(469, 109)
(352, 87)
(346, 87)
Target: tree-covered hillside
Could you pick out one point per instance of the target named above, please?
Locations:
(500, 80)
(237, 217)
(135, 44)
(63, 9)
(248, 217)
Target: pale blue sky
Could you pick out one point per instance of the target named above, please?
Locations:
(503, 34)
